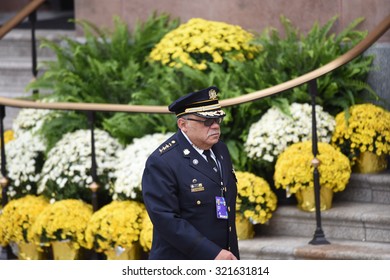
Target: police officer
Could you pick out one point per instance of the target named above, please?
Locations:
(189, 185)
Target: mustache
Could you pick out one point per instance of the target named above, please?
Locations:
(213, 132)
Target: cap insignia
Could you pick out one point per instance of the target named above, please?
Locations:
(212, 94)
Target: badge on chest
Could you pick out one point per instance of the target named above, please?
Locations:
(221, 207)
(197, 187)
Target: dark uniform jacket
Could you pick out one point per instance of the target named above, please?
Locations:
(179, 190)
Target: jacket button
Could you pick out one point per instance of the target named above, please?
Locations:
(229, 208)
(230, 228)
(198, 202)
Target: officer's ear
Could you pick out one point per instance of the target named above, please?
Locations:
(182, 124)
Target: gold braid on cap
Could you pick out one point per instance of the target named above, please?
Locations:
(202, 108)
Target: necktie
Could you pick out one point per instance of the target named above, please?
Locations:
(211, 161)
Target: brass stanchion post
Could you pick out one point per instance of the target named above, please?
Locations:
(319, 236)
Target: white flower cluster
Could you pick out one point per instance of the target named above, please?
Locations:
(275, 131)
(68, 163)
(24, 158)
(29, 120)
(131, 164)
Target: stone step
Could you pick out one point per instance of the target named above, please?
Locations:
(17, 43)
(16, 58)
(298, 248)
(16, 73)
(344, 221)
(367, 188)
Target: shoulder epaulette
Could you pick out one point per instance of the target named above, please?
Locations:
(167, 146)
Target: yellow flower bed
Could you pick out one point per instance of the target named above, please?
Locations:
(366, 129)
(255, 199)
(116, 224)
(17, 219)
(293, 169)
(146, 235)
(200, 41)
(63, 220)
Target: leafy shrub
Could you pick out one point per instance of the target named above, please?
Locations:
(105, 67)
(116, 68)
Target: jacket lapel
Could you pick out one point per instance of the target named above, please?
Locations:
(196, 160)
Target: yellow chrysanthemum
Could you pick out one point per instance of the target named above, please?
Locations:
(199, 41)
(366, 129)
(255, 200)
(63, 220)
(117, 224)
(8, 136)
(146, 235)
(293, 169)
(17, 219)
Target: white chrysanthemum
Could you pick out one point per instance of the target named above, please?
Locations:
(131, 164)
(24, 158)
(29, 119)
(66, 172)
(275, 131)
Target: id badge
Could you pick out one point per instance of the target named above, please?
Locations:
(221, 207)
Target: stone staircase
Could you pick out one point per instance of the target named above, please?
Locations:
(16, 64)
(357, 226)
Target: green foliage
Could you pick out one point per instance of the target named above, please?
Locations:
(53, 129)
(294, 54)
(114, 67)
(106, 67)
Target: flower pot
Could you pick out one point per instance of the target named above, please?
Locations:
(29, 251)
(118, 253)
(306, 200)
(65, 250)
(244, 227)
(369, 162)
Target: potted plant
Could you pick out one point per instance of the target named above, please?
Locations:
(31, 120)
(130, 165)
(294, 173)
(278, 129)
(24, 158)
(115, 229)
(363, 134)
(62, 225)
(255, 202)
(66, 173)
(146, 235)
(200, 41)
(16, 222)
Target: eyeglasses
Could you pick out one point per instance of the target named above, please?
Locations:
(207, 122)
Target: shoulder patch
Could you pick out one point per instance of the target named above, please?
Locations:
(167, 146)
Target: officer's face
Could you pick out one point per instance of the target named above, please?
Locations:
(200, 135)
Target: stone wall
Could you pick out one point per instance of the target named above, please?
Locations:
(249, 14)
